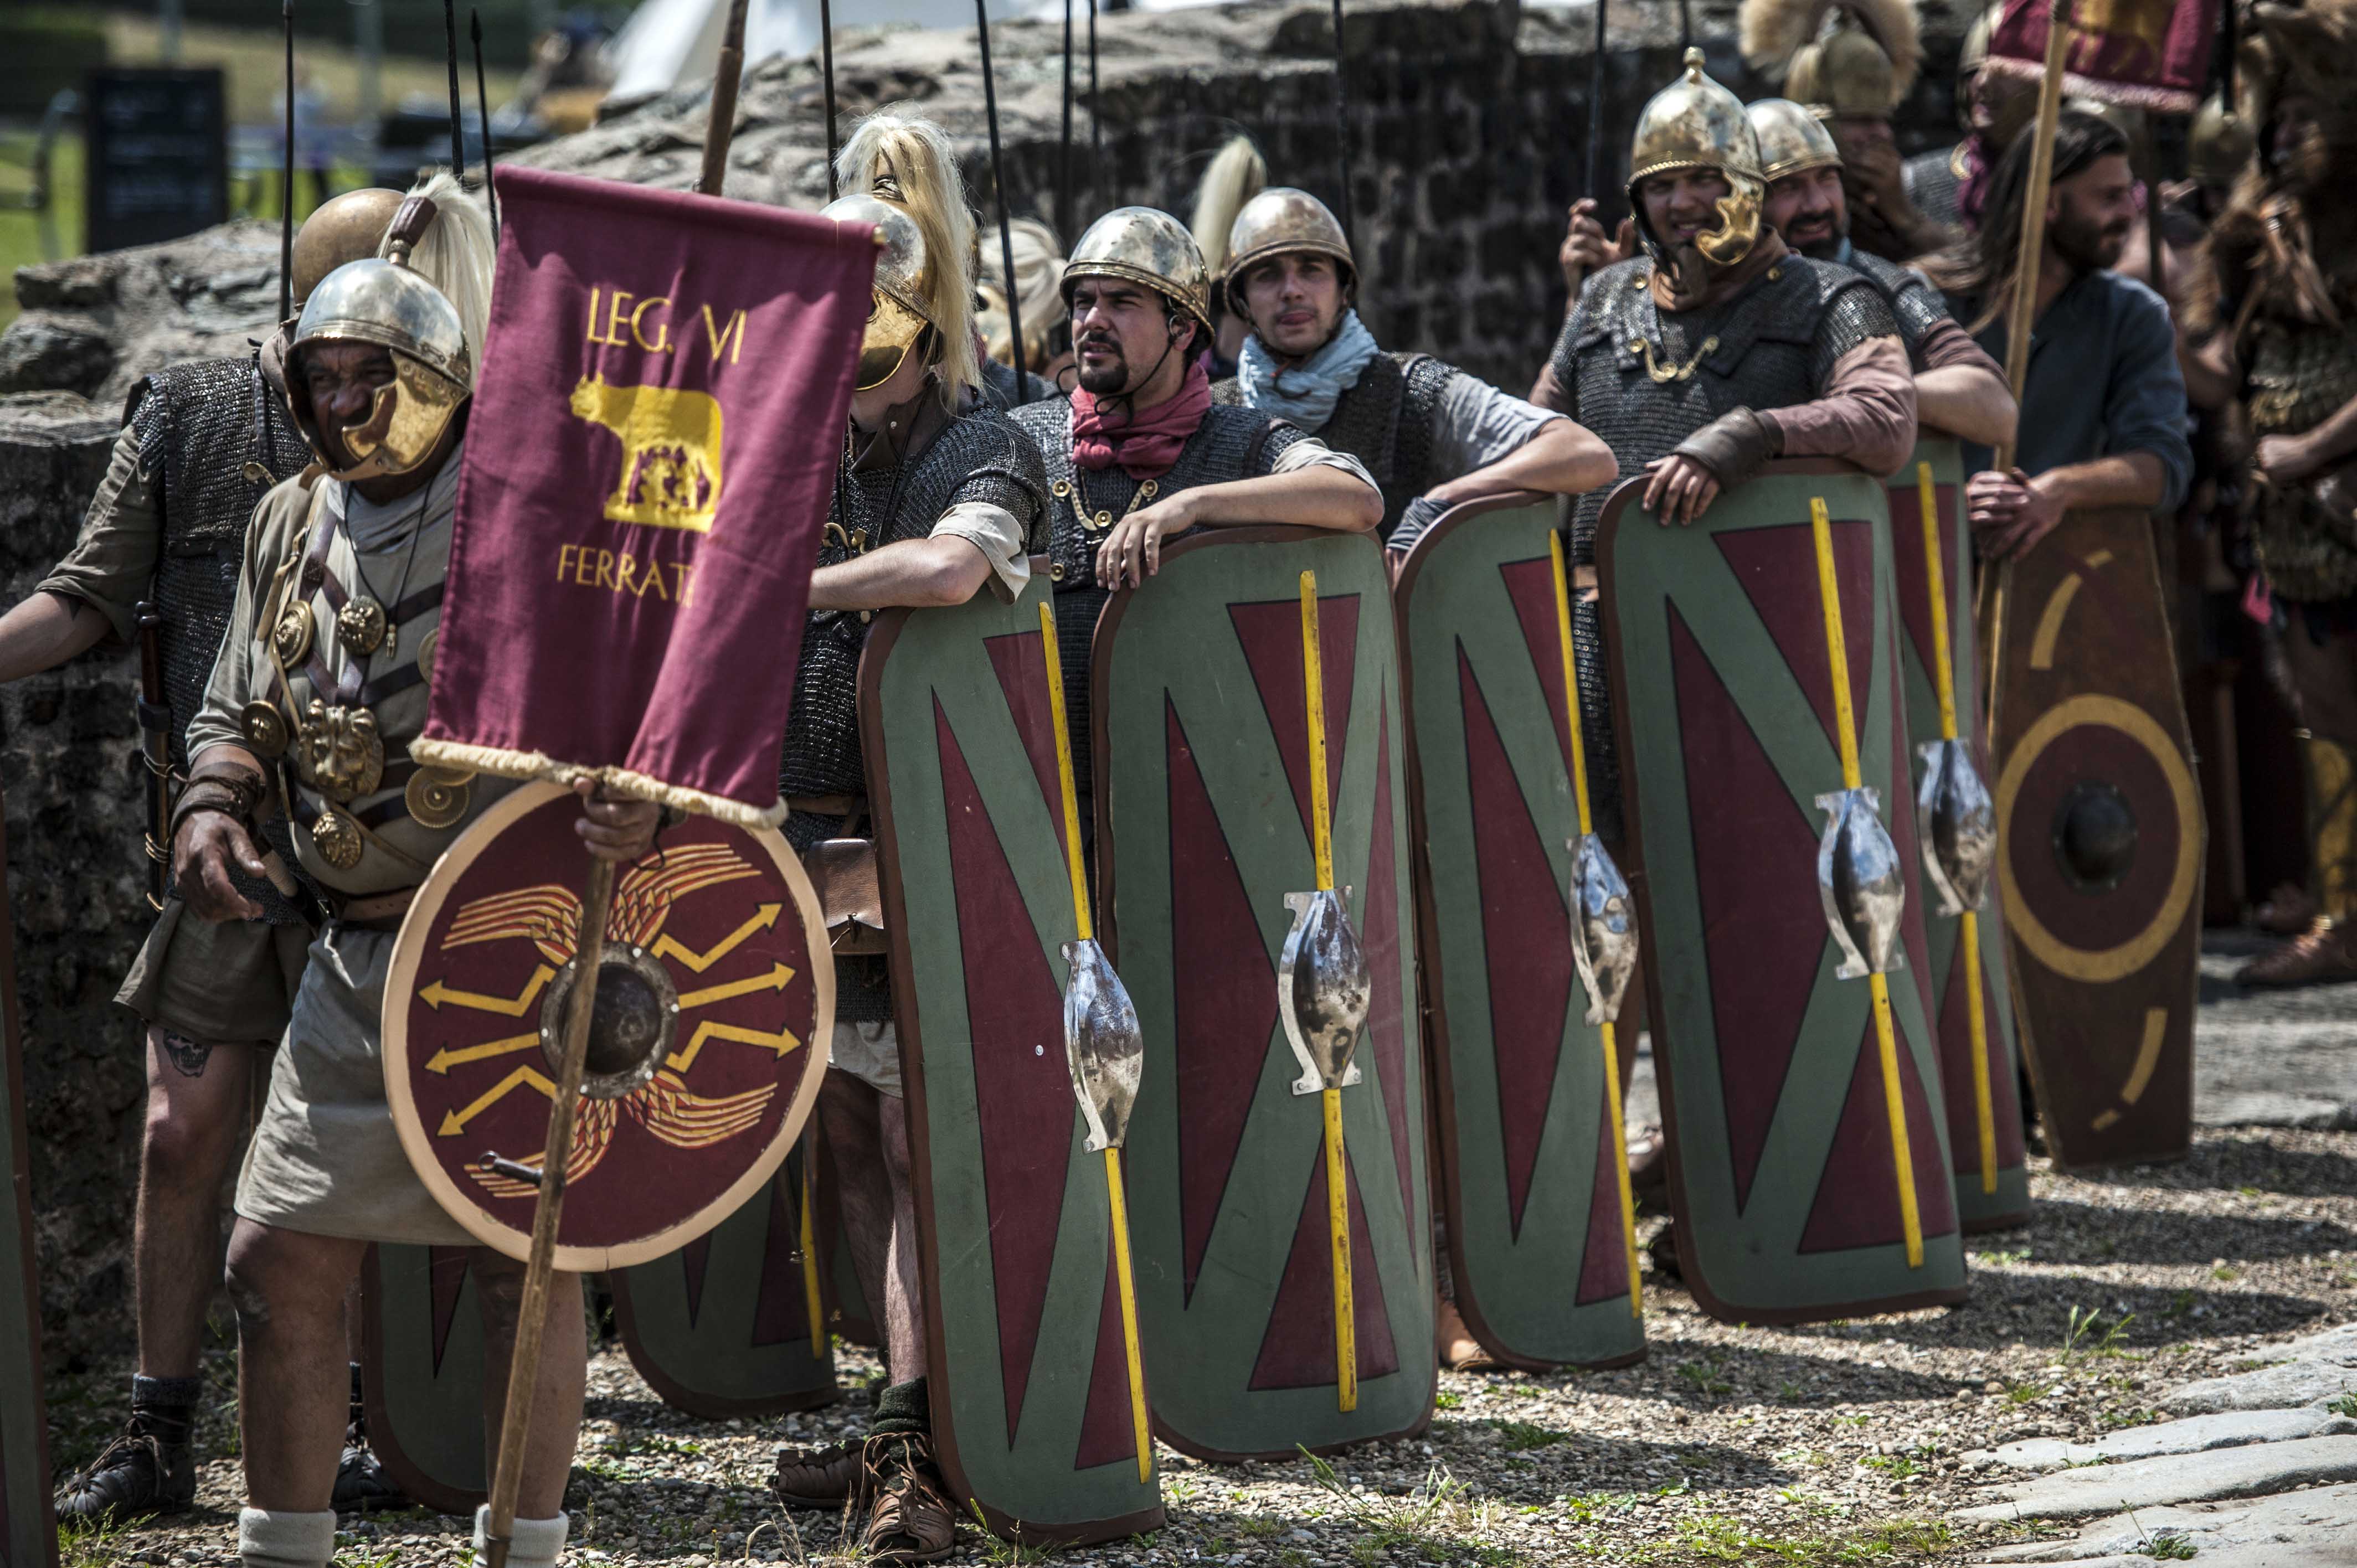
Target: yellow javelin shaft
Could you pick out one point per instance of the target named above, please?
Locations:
(1144, 1434)
(1321, 844)
(1116, 1198)
(1975, 1018)
(1064, 772)
(1313, 679)
(1338, 1227)
(811, 1297)
(1578, 764)
(1894, 1104)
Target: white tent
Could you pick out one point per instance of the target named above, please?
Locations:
(670, 43)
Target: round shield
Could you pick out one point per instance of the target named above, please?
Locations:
(714, 1004)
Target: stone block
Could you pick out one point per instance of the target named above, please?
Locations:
(2256, 1471)
(2284, 1387)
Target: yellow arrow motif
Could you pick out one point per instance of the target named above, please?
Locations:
(437, 993)
(778, 977)
(455, 1121)
(782, 1042)
(763, 918)
(449, 1057)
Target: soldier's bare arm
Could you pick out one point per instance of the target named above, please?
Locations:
(44, 631)
(614, 830)
(2281, 459)
(1563, 458)
(1968, 401)
(211, 832)
(944, 569)
(1317, 495)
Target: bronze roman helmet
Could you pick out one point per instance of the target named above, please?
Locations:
(342, 228)
(1280, 221)
(1792, 140)
(1143, 245)
(1695, 123)
(2219, 145)
(898, 316)
(1853, 59)
(386, 303)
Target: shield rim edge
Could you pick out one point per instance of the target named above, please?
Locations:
(1109, 931)
(1440, 1069)
(418, 1484)
(1626, 495)
(394, 1042)
(12, 1067)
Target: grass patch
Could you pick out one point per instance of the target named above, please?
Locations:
(2345, 1405)
(1444, 1400)
(1433, 1523)
(2089, 1333)
(1523, 1435)
(1715, 1538)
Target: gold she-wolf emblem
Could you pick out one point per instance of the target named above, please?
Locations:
(2143, 23)
(671, 452)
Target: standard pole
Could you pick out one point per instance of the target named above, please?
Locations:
(998, 177)
(722, 123)
(1064, 149)
(1595, 105)
(287, 176)
(457, 116)
(1342, 124)
(1096, 119)
(2023, 313)
(826, 65)
(483, 117)
(524, 1367)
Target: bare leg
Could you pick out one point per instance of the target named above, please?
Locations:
(294, 1382)
(903, 1326)
(196, 1112)
(855, 1137)
(563, 1378)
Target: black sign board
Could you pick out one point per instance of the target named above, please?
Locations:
(156, 159)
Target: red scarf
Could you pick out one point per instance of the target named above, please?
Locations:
(1144, 445)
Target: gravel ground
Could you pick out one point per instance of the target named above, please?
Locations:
(1835, 1444)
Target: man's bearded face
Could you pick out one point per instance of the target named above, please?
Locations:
(1121, 333)
(2093, 212)
(1808, 210)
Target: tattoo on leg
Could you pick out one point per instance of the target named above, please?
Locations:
(188, 1055)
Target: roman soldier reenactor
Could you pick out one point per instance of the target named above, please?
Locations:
(2275, 306)
(157, 565)
(939, 496)
(1958, 388)
(1430, 435)
(320, 683)
(1714, 352)
(1141, 452)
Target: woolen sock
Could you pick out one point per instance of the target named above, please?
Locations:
(534, 1543)
(274, 1538)
(903, 1411)
(166, 1407)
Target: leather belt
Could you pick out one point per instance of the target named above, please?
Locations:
(824, 805)
(375, 911)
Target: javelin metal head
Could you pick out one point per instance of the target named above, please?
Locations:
(1102, 1044)
(1861, 883)
(1604, 927)
(1323, 990)
(1960, 842)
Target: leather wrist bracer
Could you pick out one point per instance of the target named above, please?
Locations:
(233, 793)
(1733, 446)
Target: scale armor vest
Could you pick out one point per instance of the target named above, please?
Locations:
(1914, 303)
(2299, 376)
(1931, 185)
(1643, 381)
(1385, 422)
(212, 438)
(978, 456)
(1230, 443)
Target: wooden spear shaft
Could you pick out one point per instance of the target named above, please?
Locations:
(722, 125)
(540, 1271)
(287, 189)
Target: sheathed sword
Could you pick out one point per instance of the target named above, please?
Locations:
(1323, 991)
(1103, 1046)
(1603, 929)
(156, 748)
(1861, 884)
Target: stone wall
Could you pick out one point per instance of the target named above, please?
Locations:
(76, 893)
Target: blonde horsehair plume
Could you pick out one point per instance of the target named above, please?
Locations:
(1236, 175)
(900, 155)
(1038, 276)
(456, 254)
(1776, 33)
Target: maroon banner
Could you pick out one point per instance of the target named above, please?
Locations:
(655, 430)
(2151, 54)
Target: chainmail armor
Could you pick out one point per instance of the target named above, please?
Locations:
(1931, 186)
(1914, 303)
(196, 427)
(1385, 422)
(1230, 443)
(1772, 346)
(2300, 375)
